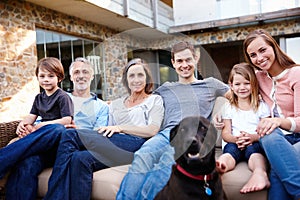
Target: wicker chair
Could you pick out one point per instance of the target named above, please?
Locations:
(7, 132)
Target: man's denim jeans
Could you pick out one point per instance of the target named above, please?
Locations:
(82, 152)
(150, 169)
(26, 158)
(285, 165)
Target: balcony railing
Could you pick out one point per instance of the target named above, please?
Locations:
(152, 13)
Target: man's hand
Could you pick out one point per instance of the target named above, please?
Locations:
(218, 121)
(72, 125)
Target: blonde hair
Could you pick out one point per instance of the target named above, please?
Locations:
(245, 70)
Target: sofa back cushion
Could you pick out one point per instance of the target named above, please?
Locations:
(217, 108)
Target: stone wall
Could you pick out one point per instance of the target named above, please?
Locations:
(279, 28)
(18, 56)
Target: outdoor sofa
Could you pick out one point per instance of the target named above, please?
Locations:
(106, 182)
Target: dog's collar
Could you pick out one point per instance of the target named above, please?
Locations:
(205, 177)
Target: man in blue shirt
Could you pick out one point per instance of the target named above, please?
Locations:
(89, 111)
(28, 156)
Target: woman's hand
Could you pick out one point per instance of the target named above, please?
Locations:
(108, 131)
(267, 125)
(218, 121)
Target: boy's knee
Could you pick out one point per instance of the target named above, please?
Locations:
(59, 127)
(56, 127)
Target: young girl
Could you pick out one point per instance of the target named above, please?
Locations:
(241, 116)
(53, 105)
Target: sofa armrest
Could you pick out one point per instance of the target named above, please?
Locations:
(7, 132)
(220, 101)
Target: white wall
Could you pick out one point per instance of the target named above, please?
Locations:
(195, 11)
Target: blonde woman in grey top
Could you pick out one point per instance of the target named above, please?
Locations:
(132, 120)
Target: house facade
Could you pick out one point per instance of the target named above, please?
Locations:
(110, 34)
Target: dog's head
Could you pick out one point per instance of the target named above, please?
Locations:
(194, 144)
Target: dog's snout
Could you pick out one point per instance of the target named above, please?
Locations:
(194, 141)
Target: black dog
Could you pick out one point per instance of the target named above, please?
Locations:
(194, 175)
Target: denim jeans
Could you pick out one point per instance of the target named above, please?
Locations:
(150, 169)
(240, 155)
(26, 158)
(82, 152)
(24, 173)
(38, 142)
(285, 165)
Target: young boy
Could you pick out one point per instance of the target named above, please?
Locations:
(53, 105)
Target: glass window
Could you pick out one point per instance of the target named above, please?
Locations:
(293, 48)
(159, 63)
(67, 48)
(166, 69)
(161, 66)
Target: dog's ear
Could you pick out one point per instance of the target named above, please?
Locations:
(173, 132)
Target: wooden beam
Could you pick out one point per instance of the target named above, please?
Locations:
(168, 2)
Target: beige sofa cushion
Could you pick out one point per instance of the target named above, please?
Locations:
(106, 182)
(234, 180)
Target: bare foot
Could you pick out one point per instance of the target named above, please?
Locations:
(225, 163)
(220, 167)
(258, 181)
